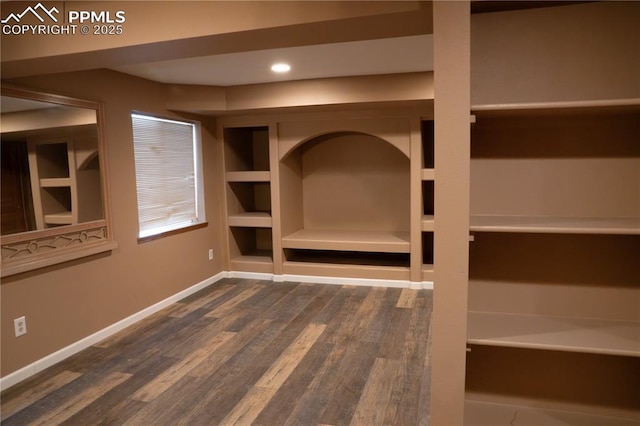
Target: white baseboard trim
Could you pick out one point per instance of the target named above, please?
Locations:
(426, 285)
(49, 360)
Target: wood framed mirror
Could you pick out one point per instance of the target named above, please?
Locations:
(55, 201)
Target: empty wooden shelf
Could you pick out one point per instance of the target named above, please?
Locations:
(567, 107)
(427, 272)
(427, 223)
(367, 241)
(568, 225)
(250, 219)
(260, 261)
(347, 264)
(62, 218)
(249, 176)
(428, 174)
(346, 270)
(55, 182)
(555, 333)
(479, 413)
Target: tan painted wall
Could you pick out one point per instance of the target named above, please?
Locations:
(556, 166)
(556, 54)
(70, 301)
(355, 182)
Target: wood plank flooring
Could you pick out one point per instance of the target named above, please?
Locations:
(245, 352)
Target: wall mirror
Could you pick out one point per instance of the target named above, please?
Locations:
(54, 198)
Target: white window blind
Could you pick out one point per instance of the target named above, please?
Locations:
(167, 175)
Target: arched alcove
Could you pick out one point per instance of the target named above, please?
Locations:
(347, 192)
(354, 181)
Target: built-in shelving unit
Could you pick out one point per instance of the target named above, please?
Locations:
(555, 206)
(248, 192)
(329, 198)
(65, 176)
(427, 224)
(553, 327)
(53, 183)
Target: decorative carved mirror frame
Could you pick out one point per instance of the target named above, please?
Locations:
(35, 249)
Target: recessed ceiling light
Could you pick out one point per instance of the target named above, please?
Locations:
(280, 68)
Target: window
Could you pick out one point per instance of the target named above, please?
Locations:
(168, 174)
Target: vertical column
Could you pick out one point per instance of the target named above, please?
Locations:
(416, 202)
(221, 150)
(276, 228)
(451, 28)
(73, 182)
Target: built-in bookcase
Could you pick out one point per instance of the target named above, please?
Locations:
(332, 198)
(554, 276)
(554, 287)
(248, 197)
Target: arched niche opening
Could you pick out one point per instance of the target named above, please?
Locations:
(351, 184)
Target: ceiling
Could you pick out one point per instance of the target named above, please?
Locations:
(324, 49)
(368, 57)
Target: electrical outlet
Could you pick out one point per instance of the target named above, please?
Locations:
(20, 326)
(210, 254)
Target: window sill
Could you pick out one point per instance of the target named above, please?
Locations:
(173, 232)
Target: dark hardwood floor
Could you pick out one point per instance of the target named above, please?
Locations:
(248, 352)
